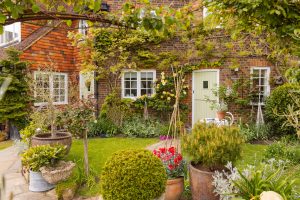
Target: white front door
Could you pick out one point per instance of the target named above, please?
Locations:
(203, 83)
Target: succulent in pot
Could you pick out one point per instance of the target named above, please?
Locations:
(209, 147)
(175, 169)
(37, 157)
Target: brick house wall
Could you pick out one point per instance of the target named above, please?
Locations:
(55, 49)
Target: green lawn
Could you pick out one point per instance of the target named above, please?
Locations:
(5, 144)
(100, 149)
(253, 154)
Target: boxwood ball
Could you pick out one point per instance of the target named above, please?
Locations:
(133, 175)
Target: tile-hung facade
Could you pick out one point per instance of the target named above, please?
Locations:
(48, 46)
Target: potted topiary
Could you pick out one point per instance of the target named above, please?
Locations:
(209, 147)
(175, 168)
(37, 157)
(133, 174)
(52, 136)
(49, 113)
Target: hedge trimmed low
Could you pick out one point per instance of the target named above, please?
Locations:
(133, 175)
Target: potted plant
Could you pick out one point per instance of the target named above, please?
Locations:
(48, 132)
(221, 108)
(175, 168)
(2, 136)
(209, 147)
(37, 157)
(223, 96)
(52, 136)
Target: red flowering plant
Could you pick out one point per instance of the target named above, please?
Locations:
(172, 161)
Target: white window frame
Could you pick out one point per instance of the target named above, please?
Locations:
(51, 89)
(267, 93)
(138, 82)
(83, 27)
(16, 29)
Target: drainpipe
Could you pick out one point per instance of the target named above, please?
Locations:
(96, 94)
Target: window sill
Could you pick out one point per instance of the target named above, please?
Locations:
(56, 104)
(4, 45)
(256, 104)
(132, 98)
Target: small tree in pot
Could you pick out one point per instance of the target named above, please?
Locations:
(49, 110)
(209, 147)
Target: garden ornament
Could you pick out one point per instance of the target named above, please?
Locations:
(270, 195)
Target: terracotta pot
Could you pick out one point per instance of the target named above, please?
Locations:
(2, 138)
(63, 138)
(201, 184)
(174, 188)
(221, 115)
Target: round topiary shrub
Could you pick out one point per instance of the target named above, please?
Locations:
(279, 99)
(133, 175)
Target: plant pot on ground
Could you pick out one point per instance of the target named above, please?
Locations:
(62, 138)
(209, 147)
(175, 168)
(37, 157)
(57, 173)
(2, 136)
(48, 118)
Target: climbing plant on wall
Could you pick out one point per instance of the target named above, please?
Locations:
(275, 24)
(14, 106)
(115, 49)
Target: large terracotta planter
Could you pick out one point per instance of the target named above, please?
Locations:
(174, 188)
(201, 184)
(63, 138)
(2, 137)
(221, 115)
